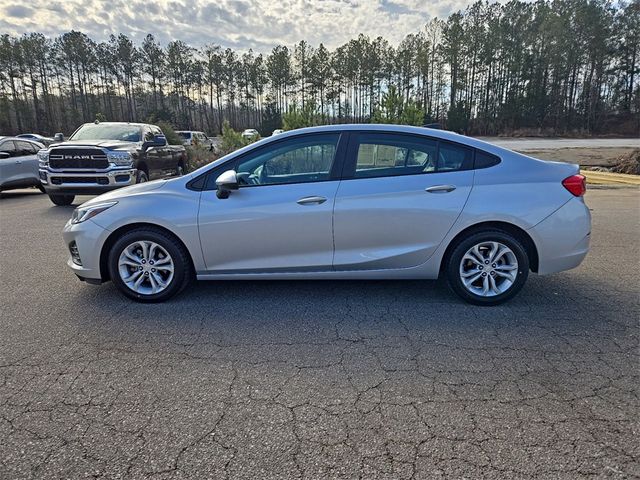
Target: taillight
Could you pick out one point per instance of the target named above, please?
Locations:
(576, 184)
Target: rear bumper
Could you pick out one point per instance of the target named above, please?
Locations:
(79, 183)
(563, 238)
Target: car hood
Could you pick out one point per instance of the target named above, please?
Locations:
(108, 144)
(120, 193)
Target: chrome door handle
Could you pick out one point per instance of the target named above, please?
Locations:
(311, 201)
(440, 189)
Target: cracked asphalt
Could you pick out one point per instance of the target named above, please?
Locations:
(373, 380)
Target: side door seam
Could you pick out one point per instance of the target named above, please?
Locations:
(343, 161)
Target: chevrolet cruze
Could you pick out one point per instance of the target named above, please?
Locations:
(341, 202)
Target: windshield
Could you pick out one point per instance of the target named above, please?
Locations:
(101, 131)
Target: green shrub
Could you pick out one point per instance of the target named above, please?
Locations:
(395, 109)
(297, 117)
(172, 137)
(231, 140)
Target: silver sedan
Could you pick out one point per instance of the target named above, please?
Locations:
(341, 202)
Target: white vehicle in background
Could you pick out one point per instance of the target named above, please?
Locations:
(195, 139)
(251, 134)
(277, 131)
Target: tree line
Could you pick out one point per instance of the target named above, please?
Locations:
(556, 66)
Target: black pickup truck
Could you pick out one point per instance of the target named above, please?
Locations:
(102, 156)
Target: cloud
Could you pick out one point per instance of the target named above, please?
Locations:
(241, 24)
(18, 11)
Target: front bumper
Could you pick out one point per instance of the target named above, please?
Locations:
(89, 238)
(67, 181)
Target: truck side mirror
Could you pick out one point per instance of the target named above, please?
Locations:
(58, 137)
(158, 141)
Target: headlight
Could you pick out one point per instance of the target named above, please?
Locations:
(122, 159)
(82, 213)
(43, 158)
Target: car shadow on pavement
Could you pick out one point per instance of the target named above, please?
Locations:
(566, 298)
(19, 194)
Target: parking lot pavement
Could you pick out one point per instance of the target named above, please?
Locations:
(318, 379)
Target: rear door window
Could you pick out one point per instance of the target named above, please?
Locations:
(390, 154)
(393, 154)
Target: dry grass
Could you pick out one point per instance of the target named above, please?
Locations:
(629, 163)
(198, 157)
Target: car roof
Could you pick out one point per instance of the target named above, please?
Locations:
(392, 128)
(22, 139)
(135, 124)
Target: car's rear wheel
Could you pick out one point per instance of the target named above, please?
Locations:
(61, 200)
(488, 268)
(149, 265)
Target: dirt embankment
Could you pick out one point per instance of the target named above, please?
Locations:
(585, 157)
(629, 163)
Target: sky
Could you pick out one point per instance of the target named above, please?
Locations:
(240, 24)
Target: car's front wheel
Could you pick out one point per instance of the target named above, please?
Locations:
(488, 267)
(149, 265)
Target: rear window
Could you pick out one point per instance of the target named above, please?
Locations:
(185, 135)
(485, 160)
(452, 157)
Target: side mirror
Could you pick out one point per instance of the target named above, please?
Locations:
(58, 137)
(226, 182)
(158, 141)
(4, 155)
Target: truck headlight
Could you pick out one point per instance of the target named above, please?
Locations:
(121, 159)
(83, 213)
(43, 158)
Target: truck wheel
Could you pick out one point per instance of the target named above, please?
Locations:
(141, 177)
(61, 200)
(179, 170)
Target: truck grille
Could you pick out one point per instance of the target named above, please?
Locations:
(96, 180)
(91, 158)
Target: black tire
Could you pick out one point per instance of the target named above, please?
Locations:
(454, 260)
(61, 200)
(180, 170)
(142, 177)
(182, 274)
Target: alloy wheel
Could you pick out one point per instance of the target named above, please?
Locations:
(145, 267)
(488, 269)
